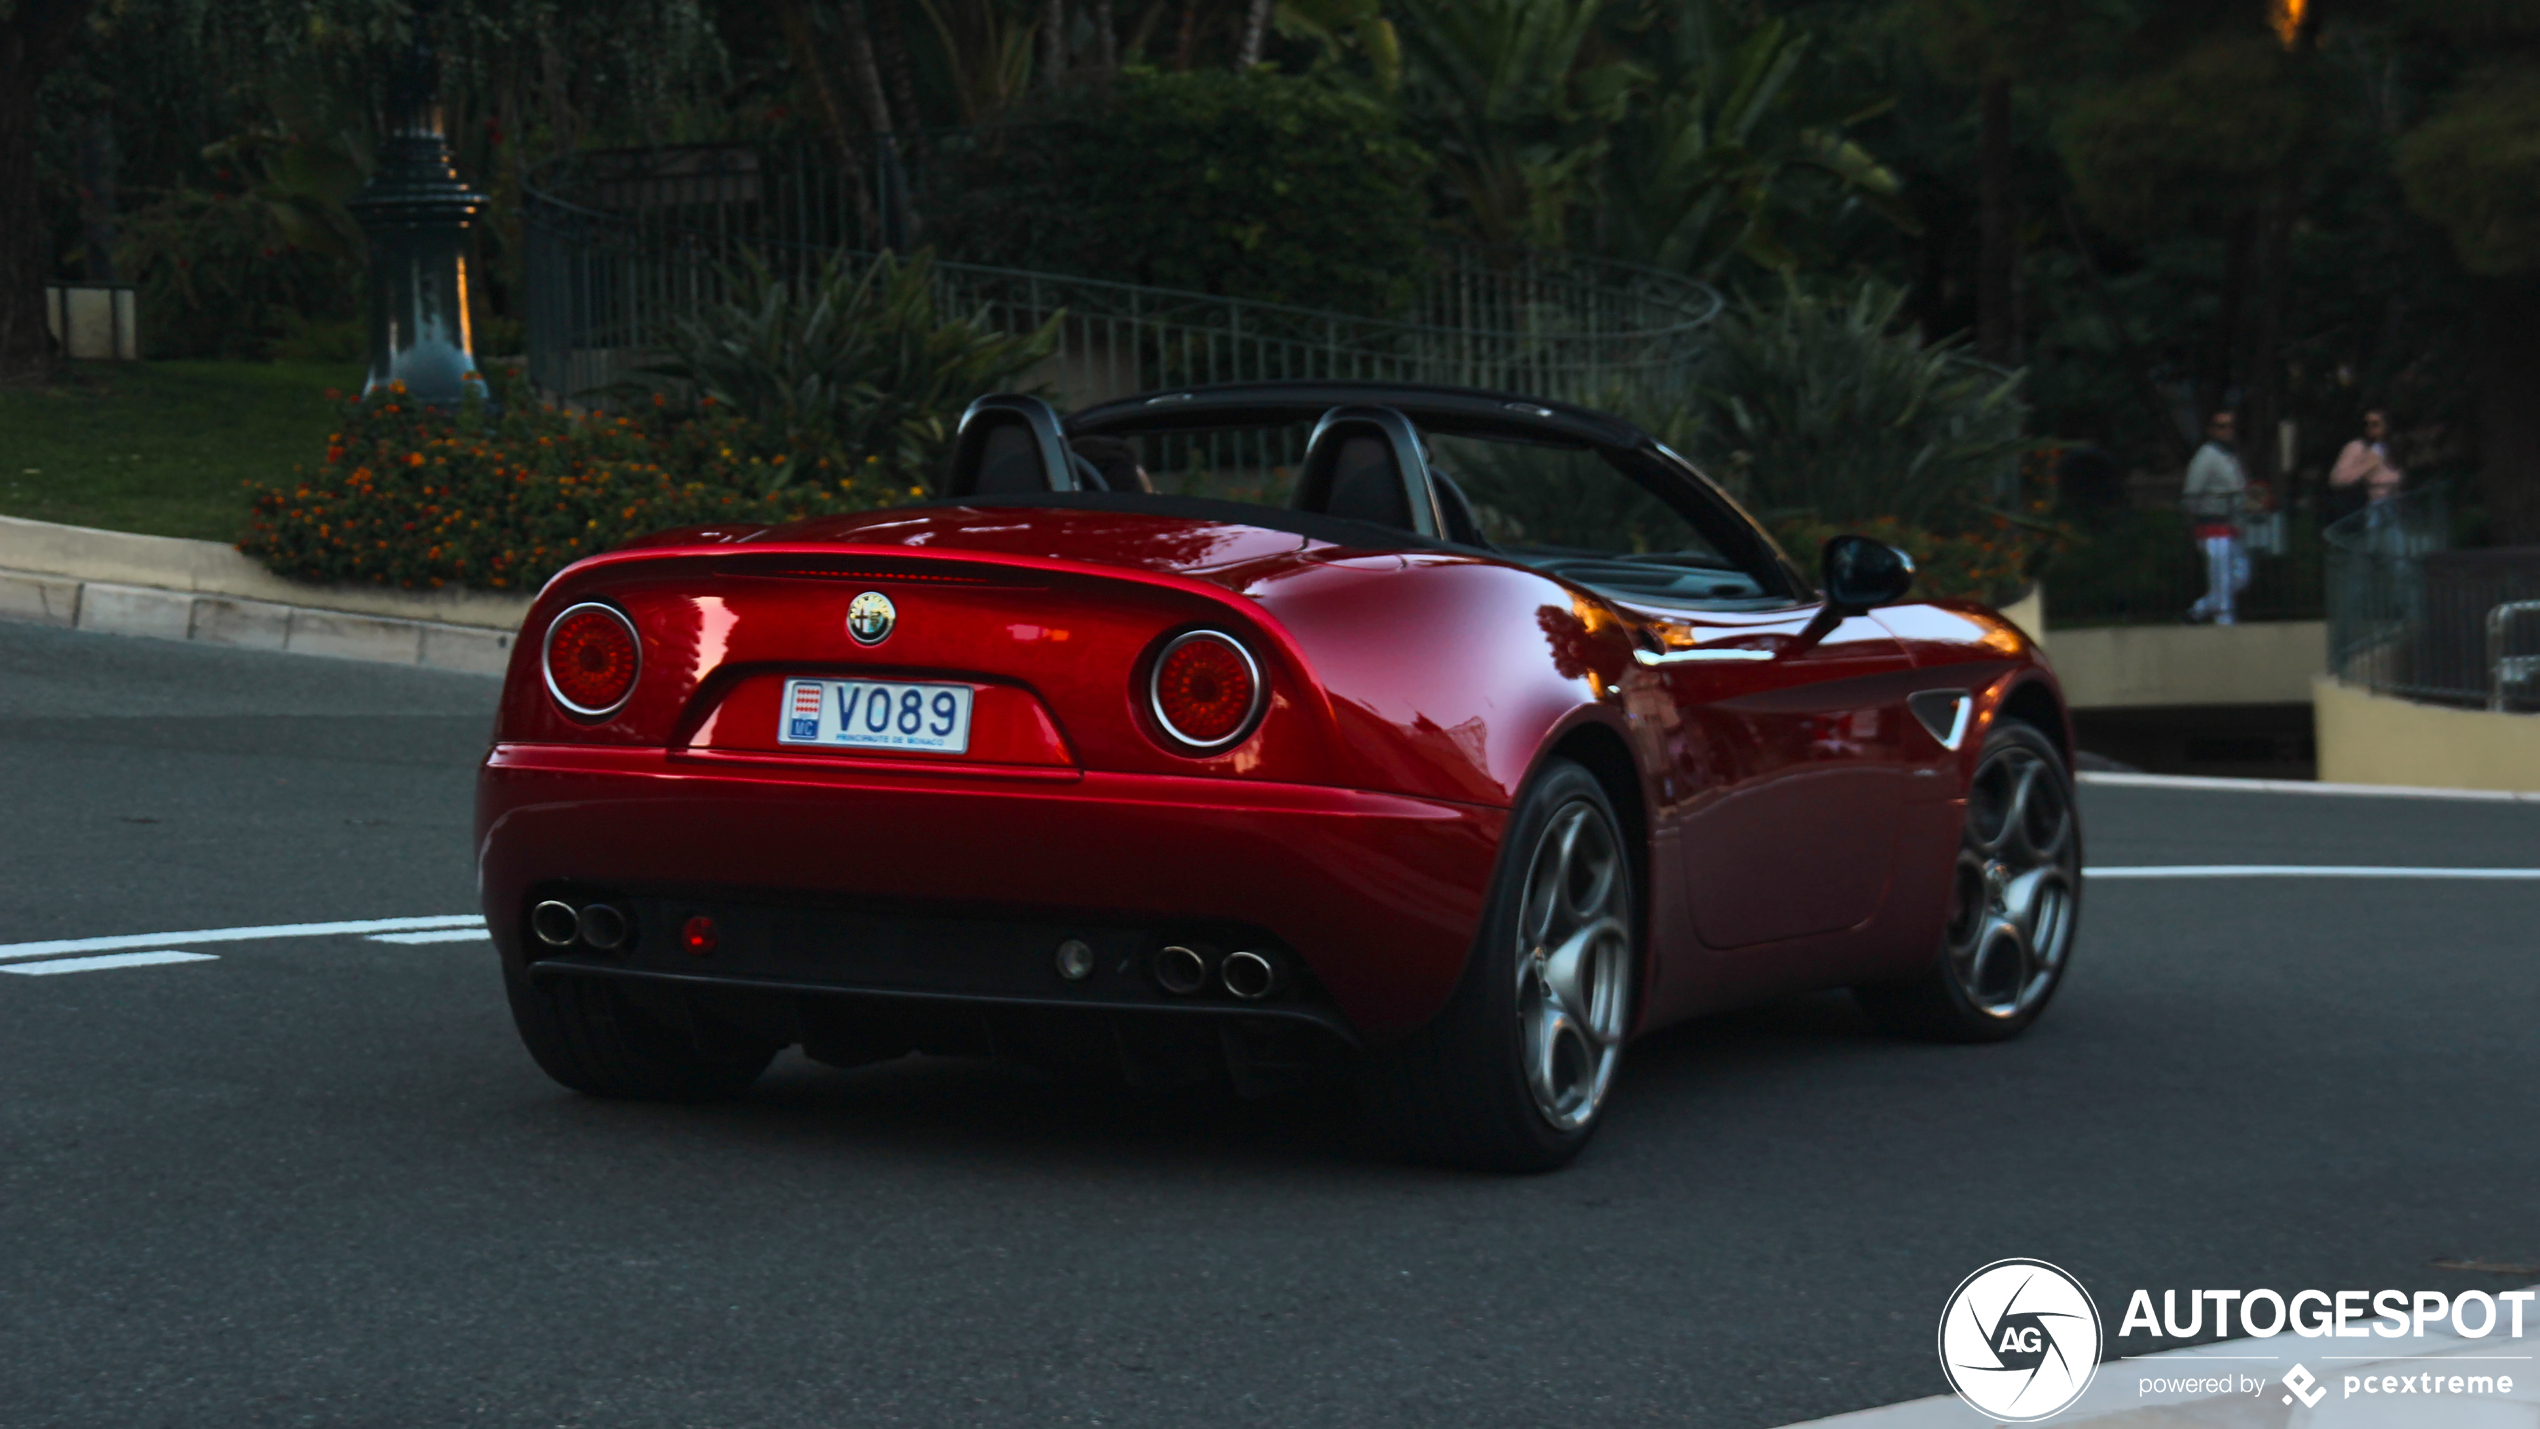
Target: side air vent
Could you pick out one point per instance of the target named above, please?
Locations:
(1944, 713)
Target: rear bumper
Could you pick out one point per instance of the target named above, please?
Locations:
(1376, 895)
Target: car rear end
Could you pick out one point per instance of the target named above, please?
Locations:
(959, 794)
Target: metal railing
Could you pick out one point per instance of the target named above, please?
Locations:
(2508, 672)
(2409, 616)
(2145, 568)
(620, 242)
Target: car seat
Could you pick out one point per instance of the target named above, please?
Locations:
(1010, 443)
(1364, 463)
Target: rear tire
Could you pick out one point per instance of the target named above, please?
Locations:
(587, 1034)
(1513, 1074)
(2015, 902)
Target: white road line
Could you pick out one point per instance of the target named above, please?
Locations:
(111, 960)
(12, 952)
(2300, 870)
(437, 935)
(2303, 786)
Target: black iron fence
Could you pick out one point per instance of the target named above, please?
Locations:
(2135, 567)
(620, 242)
(2409, 616)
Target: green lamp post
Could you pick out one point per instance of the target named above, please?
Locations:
(417, 214)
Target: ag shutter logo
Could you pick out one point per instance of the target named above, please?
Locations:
(2019, 1340)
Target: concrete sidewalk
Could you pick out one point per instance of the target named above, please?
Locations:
(118, 583)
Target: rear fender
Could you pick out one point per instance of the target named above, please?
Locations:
(1447, 676)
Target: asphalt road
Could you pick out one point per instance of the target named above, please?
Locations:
(317, 1182)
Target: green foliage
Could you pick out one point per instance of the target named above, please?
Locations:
(503, 500)
(987, 55)
(220, 275)
(1256, 185)
(563, 74)
(2474, 168)
(199, 95)
(1822, 406)
(1975, 40)
(1732, 150)
(301, 165)
(345, 339)
(244, 267)
(2243, 205)
(1983, 540)
(1825, 416)
(850, 361)
(1515, 100)
(1677, 133)
(1354, 37)
(2199, 130)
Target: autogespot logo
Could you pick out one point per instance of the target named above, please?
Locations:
(2019, 1340)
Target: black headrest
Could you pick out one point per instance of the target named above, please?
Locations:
(1364, 463)
(1011, 443)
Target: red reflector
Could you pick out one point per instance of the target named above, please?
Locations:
(1205, 689)
(592, 659)
(698, 936)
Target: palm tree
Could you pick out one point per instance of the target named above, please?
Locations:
(1515, 102)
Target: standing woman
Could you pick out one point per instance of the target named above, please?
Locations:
(2366, 462)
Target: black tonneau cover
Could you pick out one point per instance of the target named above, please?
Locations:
(1458, 411)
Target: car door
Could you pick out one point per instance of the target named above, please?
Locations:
(1788, 752)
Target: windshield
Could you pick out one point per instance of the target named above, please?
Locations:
(1569, 512)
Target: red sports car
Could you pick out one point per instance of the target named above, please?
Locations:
(1502, 738)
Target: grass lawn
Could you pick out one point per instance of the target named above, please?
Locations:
(162, 447)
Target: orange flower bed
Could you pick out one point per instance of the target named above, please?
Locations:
(501, 499)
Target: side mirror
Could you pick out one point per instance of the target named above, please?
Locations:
(1861, 574)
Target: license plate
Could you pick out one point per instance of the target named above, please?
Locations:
(875, 714)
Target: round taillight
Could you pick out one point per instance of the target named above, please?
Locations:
(699, 936)
(1206, 689)
(592, 659)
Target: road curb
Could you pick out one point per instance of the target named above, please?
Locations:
(2299, 786)
(113, 609)
(118, 583)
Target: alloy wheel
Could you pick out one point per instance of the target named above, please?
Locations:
(2011, 921)
(1574, 964)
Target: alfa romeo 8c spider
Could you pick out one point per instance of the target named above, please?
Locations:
(1450, 741)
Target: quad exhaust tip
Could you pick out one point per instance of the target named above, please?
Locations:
(555, 923)
(1181, 970)
(1249, 975)
(602, 926)
(559, 924)
(1184, 969)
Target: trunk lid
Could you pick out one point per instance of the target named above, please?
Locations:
(1050, 617)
